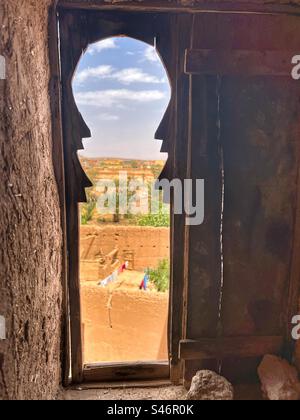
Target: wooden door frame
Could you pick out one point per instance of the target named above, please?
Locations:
(74, 129)
(180, 272)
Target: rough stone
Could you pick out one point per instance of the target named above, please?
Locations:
(207, 385)
(280, 381)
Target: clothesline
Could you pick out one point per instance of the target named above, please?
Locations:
(114, 276)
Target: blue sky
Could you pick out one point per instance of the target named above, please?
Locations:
(122, 91)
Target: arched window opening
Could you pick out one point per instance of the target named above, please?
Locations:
(122, 91)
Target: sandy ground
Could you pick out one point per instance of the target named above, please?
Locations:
(161, 393)
(123, 323)
(242, 393)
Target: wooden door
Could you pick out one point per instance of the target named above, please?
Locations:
(245, 135)
(171, 35)
(233, 121)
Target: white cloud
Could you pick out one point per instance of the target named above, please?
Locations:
(151, 55)
(100, 72)
(125, 76)
(106, 44)
(117, 97)
(108, 117)
(135, 75)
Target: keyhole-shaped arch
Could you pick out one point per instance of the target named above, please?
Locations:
(122, 82)
(77, 31)
(95, 28)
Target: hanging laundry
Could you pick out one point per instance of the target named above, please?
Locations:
(144, 284)
(114, 276)
(123, 267)
(110, 279)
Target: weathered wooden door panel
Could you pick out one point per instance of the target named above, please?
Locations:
(257, 151)
(204, 243)
(255, 32)
(204, 262)
(178, 156)
(259, 135)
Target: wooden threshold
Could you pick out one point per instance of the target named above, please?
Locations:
(155, 383)
(214, 348)
(112, 372)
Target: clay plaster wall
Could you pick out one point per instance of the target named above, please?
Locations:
(30, 251)
(146, 245)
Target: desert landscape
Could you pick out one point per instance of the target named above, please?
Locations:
(121, 320)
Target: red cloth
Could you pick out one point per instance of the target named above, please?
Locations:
(122, 268)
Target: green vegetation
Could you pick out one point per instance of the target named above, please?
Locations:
(88, 209)
(155, 220)
(160, 276)
(87, 212)
(161, 219)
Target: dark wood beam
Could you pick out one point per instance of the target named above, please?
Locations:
(213, 348)
(192, 6)
(239, 62)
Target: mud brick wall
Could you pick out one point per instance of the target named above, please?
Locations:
(30, 251)
(147, 245)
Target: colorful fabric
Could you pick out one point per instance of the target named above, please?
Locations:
(114, 276)
(144, 284)
(123, 267)
(110, 279)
